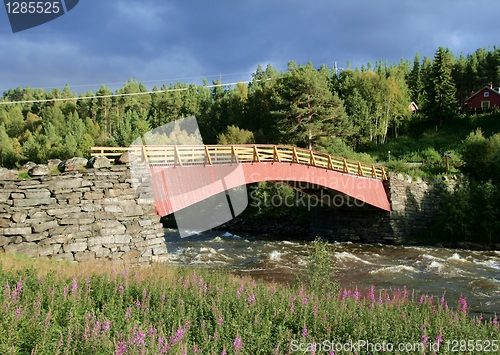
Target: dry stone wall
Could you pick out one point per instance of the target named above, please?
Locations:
(414, 203)
(79, 215)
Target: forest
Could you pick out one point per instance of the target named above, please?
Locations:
(361, 113)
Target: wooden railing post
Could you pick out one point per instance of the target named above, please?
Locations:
(346, 168)
(312, 161)
(208, 159)
(144, 154)
(177, 158)
(276, 155)
(360, 169)
(295, 158)
(256, 157)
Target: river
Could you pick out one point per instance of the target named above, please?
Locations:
(425, 270)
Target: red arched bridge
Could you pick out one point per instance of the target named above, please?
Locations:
(183, 175)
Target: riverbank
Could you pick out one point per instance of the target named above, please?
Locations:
(55, 307)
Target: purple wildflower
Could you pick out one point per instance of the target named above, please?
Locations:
(106, 326)
(305, 300)
(74, 285)
(121, 349)
(237, 344)
(463, 304)
(121, 289)
(139, 339)
(305, 333)
(220, 320)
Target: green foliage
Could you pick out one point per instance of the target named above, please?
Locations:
(471, 212)
(482, 156)
(235, 135)
(319, 273)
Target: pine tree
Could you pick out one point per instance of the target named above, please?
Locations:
(443, 101)
(308, 113)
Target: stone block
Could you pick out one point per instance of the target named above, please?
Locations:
(99, 241)
(42, 227)
(145, 223)
(131, 255)
(63, 212)
(112, 208)
(122, 239)
(93, 195)
(19, 217)
(4, 196)
(75, 247)
(90, 207)
(150, 242)
(100, 252)
(35, 237)
(85, 255)
(4, 223)
(28, 202)
(29, 249)
(66, 184)
(37, 194)
(51, 249)
(76, 221)
(63, 230)
(107, 228)
(59, 239)
(160, 250)
(6, 240)
(130, 208)
(64, 256)
(17, 195)
(17, 231)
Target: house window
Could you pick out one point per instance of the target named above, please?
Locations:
(485, 104)
(486, 94)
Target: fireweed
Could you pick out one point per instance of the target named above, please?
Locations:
(166, 310)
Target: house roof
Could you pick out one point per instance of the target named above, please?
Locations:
(477, 92)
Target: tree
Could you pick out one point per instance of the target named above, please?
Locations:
(443, 101)
(308, 113)
(235, 135)
(7, 156)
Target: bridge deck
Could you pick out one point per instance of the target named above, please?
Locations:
(183, 155)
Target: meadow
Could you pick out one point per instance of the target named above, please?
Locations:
(54, 307)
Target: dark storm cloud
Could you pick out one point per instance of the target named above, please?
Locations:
(154, 40)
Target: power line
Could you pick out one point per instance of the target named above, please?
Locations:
(118, 95)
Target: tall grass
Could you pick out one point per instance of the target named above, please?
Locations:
(49, 307)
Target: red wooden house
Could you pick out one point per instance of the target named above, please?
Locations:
(484, 99)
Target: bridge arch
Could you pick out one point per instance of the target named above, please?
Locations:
(185, 175)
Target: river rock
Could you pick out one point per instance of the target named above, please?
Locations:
(53, 163)
(6, 174)
(126, 158)
(71, 164)
(39, 170)
(28, 166)
(98, 162)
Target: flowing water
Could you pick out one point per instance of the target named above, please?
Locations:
(425, 270)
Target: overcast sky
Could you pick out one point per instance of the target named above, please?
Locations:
(163, 41)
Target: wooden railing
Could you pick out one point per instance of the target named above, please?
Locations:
(179, 155)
